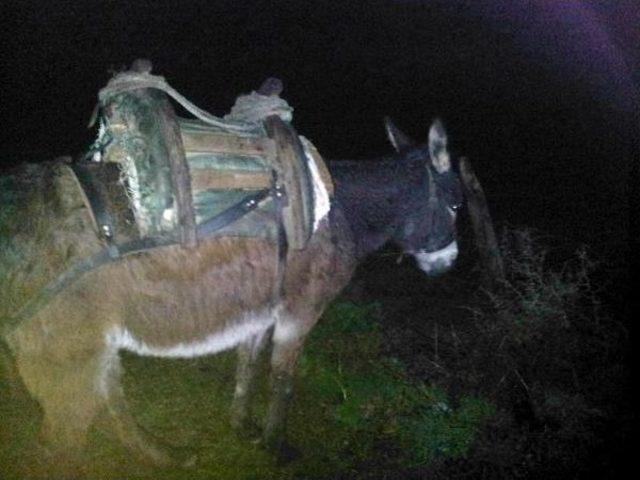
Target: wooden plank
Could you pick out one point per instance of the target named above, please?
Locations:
(205, 179)
(298, 213)
(210, 142)
(170, 132)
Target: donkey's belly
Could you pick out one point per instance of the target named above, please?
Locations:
(193, 341)
(185, 303)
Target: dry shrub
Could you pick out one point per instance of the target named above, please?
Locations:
(553, 357)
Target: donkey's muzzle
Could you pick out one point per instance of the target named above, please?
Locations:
(435, 263)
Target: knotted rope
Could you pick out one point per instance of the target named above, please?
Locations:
(247, 111)
(254, 108)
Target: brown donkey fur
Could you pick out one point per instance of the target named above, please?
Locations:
(221, 291)
(178, 302)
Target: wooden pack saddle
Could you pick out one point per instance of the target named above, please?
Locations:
(152, 174)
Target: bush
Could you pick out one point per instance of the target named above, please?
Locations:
(557, 357)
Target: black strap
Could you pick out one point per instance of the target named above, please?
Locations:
(280, 199)
(79, 269)
(104, 222)
(103, 257)
(232, 214)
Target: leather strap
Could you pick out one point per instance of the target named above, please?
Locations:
(280, 199)
(233, 213)
(106, 256)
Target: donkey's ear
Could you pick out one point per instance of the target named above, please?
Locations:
(397, 137)
(438, 152)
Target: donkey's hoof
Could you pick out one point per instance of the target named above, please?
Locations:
(247, 430)
(283, 451)
(287, 453)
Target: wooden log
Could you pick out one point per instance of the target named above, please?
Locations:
(293, 169)
(485, 236)
(210, 142)
(180, 177)
(211, 179)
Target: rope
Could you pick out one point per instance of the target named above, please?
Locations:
(254, 108)
(248, 110)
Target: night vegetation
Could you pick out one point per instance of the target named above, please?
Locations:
(546, 348)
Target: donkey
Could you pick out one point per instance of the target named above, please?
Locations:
(177, 302)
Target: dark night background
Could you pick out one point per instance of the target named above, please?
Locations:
(541, 95)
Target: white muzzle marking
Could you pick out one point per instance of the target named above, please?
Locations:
(438, 261)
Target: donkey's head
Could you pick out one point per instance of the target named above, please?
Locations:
(427, 226)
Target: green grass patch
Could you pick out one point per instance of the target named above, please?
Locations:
(377, 415)
(355, 412)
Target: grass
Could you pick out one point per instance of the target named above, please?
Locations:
(355, 412)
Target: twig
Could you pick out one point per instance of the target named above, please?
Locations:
(526, 387)
(435, 340)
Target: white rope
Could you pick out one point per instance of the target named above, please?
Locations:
(254, 108)
(249, 109)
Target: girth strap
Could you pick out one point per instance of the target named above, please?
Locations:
(280, 200)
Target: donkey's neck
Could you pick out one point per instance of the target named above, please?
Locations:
(370, 193)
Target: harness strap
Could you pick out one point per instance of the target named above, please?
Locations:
(233, 213)
(280, 199)
(105, 256)
(79, 269)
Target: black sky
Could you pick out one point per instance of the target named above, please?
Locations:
(539, 94)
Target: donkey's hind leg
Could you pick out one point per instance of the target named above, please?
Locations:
(129, 432)
(65, 389)
(248, 355)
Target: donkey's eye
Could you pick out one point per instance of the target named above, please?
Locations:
(453, 208)
(409, 228)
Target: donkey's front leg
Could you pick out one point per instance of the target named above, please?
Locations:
(248, 355)
(288, 339)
